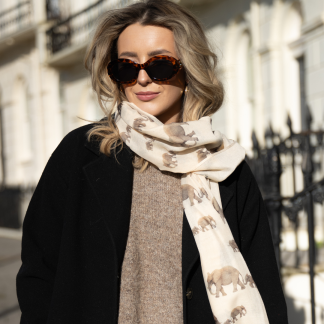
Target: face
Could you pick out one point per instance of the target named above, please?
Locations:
(139, 43)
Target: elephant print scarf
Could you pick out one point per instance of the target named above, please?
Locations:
(204, 157)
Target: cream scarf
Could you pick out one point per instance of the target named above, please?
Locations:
(205, 157)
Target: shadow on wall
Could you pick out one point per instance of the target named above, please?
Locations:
(295, 315)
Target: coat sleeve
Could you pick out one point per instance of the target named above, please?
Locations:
(42, 228)
(257, 247)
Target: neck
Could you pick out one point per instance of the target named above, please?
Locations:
(172, 115)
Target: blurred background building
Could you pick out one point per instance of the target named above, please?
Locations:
(271, 61)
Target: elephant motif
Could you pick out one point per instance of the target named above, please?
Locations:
(177, 134)
(216, 320)
(223, 277)
(228, 322)
(239, 310)
(202, 154)
(188, 191)
(195, 230)
(138, 123)
(233, 245)
(149, 143)
(168, 159)
(204, 221)
(126, 135)
(203, 193)
(249, 279)
(218, 209)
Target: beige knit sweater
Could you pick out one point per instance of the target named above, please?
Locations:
(151, 278)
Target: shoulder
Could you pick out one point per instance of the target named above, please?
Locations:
(242, 184)
(74, 141)
(77, 140)
(241, 176)
(74, 151)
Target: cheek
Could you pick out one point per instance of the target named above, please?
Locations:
(128, 92)
(171, 95)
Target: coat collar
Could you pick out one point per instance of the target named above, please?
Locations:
(94, 146)
(103, 174)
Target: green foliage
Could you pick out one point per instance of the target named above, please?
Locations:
(319, 244)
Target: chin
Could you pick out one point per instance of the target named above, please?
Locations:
(151, 107)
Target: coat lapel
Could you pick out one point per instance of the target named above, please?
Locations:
(226, 195)
(190, 253)
(112, 184)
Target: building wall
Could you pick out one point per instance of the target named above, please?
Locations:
(258, 68)
(257, 42)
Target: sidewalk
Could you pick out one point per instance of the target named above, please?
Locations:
(297, 293)
(10, 262)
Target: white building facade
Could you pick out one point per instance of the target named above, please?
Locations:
(271, 61)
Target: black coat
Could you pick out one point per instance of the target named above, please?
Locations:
(75, 233)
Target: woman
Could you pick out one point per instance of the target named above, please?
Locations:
(170, 228)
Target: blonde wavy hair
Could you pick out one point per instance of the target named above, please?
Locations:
(206, 93)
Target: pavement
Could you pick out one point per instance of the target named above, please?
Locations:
(297, 294)
(296, 285)
(10, 262)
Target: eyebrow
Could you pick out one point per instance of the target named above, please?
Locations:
(152, 53)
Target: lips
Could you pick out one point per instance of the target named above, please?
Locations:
(147, 95)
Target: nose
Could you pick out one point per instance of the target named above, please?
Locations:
(143, 78)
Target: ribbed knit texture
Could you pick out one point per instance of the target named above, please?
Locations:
(151, 284)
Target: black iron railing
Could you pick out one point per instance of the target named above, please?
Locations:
(75, 29)
(15, 18)
(269, 163)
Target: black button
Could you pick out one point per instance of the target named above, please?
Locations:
(189, 293)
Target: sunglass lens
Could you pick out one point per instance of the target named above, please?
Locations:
(160, 69)
(124, 72)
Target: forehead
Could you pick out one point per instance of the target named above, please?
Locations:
(143, 39)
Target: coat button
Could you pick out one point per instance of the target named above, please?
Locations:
(189, 293)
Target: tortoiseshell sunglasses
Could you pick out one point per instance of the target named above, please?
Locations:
(158, 68)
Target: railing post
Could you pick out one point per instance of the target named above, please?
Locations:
(2, 154)
(295, 220)
(256, 163)
(311, 249)
(308, 168)
(272, 175)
